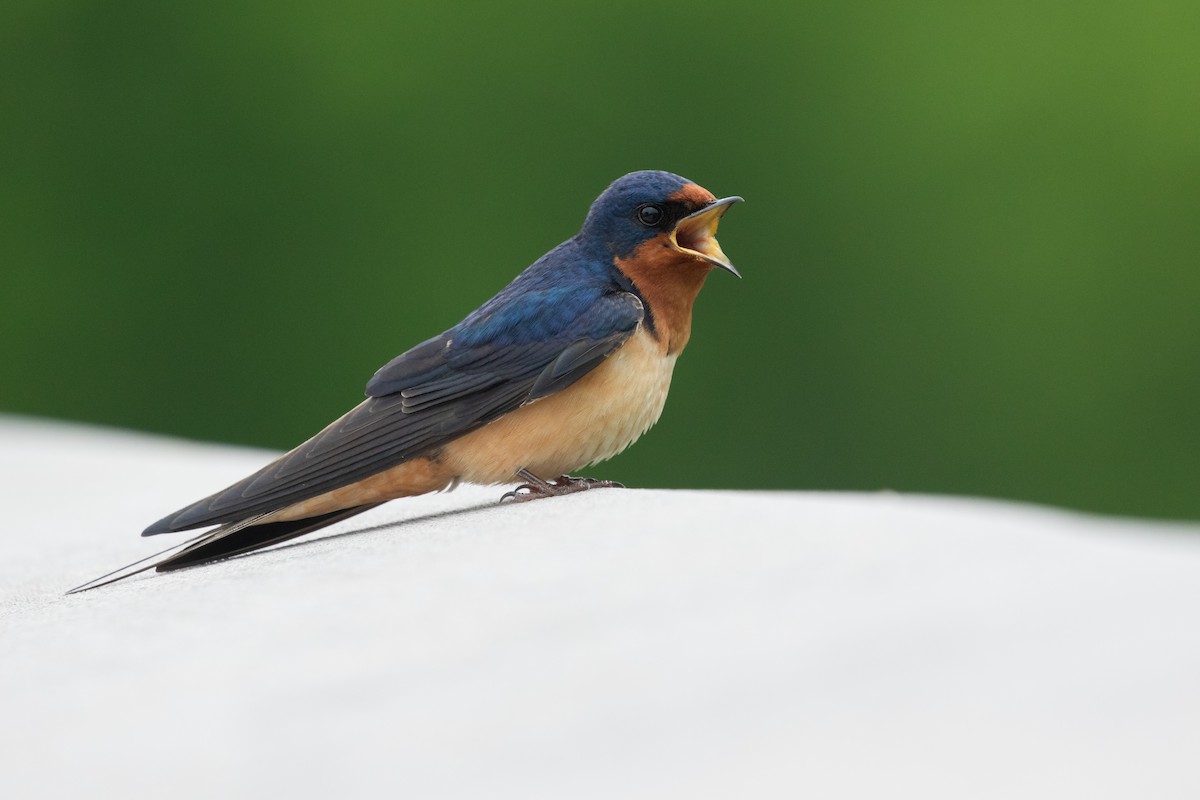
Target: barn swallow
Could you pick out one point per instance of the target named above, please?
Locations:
(567, 366)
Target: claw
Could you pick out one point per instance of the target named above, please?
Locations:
(522, 493)
(538, 488)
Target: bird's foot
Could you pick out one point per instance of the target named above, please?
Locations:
(537, 488)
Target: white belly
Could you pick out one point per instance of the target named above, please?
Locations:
(596, 418)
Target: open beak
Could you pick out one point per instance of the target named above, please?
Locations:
(697, 234)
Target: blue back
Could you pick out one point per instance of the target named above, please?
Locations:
(562, 285)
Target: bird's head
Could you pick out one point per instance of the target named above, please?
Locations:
(660, 216)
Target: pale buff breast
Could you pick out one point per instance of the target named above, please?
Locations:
(594, 419)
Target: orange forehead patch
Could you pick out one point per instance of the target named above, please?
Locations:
(693, 194)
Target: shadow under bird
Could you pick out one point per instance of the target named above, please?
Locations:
(567, 366)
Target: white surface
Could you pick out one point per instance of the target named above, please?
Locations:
(611, 644)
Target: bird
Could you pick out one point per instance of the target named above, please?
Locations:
(565, 367)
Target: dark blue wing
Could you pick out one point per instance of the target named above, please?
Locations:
(509, 352)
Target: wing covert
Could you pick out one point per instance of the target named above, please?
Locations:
(433, 393)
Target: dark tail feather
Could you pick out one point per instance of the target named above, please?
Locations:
(253, 537)
(231, 539)
(128, 570)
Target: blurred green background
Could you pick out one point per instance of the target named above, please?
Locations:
(970, 243)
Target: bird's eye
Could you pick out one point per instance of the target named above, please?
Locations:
(649, 215)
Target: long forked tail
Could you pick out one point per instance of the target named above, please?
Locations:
(231, 539)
